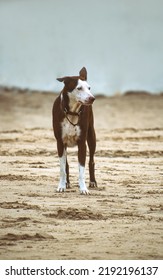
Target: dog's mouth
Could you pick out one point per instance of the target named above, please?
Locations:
(88, 102)
(85, 103)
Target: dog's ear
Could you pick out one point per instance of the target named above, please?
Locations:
(66, 80)
(69, 82)
(61, 79)
(83, 74)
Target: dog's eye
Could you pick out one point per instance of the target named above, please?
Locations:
(79, 88)
(89, 88)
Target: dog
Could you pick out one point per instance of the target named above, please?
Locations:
(73, 124)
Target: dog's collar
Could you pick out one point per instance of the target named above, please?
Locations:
(67, 112)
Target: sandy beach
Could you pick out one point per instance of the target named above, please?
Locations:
(121, 219)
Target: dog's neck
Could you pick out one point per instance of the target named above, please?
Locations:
(70, 105)
(72, 111)
(74, 106)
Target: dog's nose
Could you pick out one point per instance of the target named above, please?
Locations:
(91, 99)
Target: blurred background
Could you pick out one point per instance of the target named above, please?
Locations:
(119, 41)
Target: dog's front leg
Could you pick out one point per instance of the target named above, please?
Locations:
(82, 159)
(63, 175)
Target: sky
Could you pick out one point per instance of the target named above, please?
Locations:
(120, 42)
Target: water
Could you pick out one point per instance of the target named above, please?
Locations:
(119, 41)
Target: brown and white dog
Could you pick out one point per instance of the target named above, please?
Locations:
(73, 124)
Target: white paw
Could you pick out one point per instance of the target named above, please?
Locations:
(61, 189)
(83, 188)
(85, 192)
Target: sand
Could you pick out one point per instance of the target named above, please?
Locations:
(122, 219)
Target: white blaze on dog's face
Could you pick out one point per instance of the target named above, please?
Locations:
(82, 93)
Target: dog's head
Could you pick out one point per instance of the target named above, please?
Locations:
(77, 88)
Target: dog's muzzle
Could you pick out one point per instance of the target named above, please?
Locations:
(89, 101)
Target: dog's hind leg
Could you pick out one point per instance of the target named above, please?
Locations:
(67, 174)
(91, 140)
(63, 166)
(82, 159)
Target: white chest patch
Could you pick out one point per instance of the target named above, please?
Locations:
(70, 133)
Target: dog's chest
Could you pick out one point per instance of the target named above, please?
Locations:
(70, 133)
